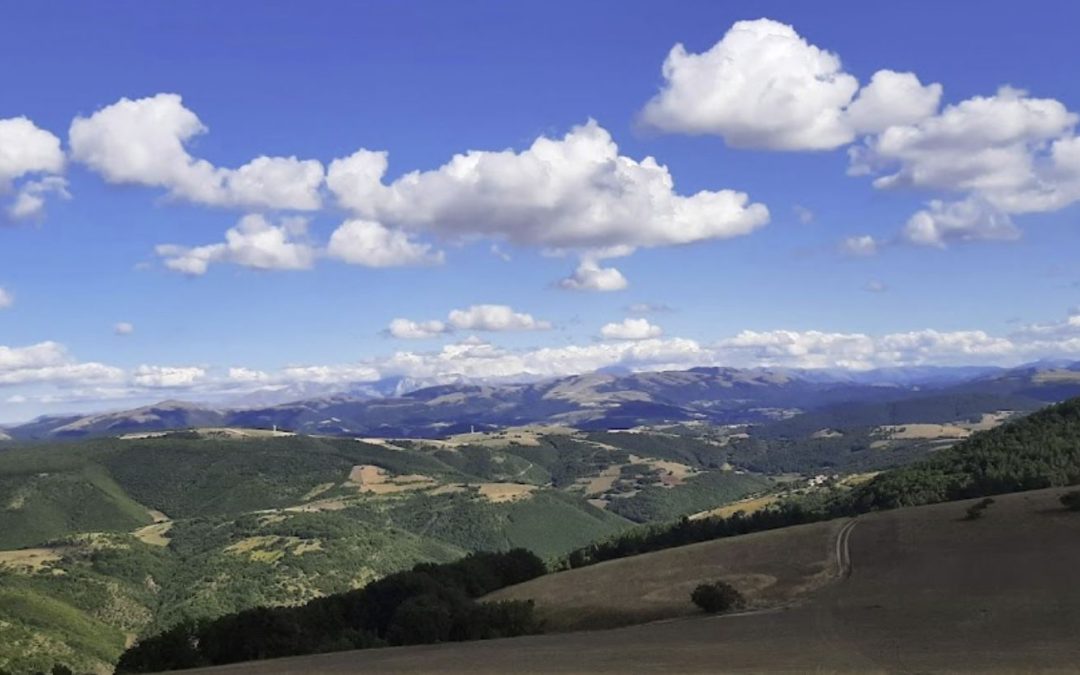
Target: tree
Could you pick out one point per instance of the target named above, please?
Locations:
(717, 597)
(422, 619)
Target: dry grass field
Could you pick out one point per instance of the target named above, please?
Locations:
(747, 506)
(769, 568)
(926, 591)
(29, 559)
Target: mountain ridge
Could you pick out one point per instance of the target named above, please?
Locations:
(598, 400)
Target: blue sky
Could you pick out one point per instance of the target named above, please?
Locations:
(835, 276)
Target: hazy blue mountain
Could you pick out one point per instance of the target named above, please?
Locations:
(600, 400)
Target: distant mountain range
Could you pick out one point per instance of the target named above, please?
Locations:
(602, 400)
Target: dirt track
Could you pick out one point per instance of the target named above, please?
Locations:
(925, 592)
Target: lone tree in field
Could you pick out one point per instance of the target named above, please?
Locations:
(717, 597)
(1071, 500)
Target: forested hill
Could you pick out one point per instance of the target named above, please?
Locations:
(1037, 451)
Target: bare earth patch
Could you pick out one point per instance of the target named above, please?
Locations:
(604, 481)
(155, 535)
(30, 559)
(377, 480)
(747, 506)
(989, 420)
(506, 492)
(923, 431)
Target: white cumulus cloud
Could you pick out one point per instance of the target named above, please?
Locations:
(143, 142)
(590, 276)
(487, 318)
(368, 243)
(861, 246)
(26, 150)
(168, 377)
(255, 242)
(765, 86)
(7, 298)
(631, 329)
(570, 193)
(406, 329)
(50, 362)
(124, 328)
(494, 318)
(970, 219)
(1003, 155)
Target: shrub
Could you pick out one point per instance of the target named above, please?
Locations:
(1071, 500)
(975, 511)
(717, 597)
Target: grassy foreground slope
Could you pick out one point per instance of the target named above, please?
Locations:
(928, 591)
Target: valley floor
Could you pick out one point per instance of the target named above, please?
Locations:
(919, 590)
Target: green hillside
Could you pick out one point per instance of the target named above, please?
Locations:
(47, 493)
(1038, 451)
(248, 522)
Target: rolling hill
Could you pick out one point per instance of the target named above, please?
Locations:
(645, 574)
(106, 539)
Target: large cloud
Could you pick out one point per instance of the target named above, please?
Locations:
(764, 86)
(574, 193)
(1004, 154)
(254, 243)
(143, 141)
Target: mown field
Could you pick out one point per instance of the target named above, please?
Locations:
(927, 591)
